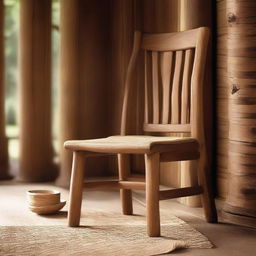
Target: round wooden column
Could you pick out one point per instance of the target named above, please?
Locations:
(36, 151)
(241, 64)
(4, 163)
(69, 84)
(194, 14)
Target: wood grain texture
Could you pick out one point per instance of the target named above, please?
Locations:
(223, 90)
(152, 164)
(198, 128)
(185, 94)
(124, 168)
(118, 185)
(76, 189)
(176, 89)
(191, 17)
(137, 144)
(94, 76)
(123, 25)
(155, 89)
(180, 192)
(241, 63)
(69, 84)
(36, 151)
(186, 128)
(4, 158)
(166, 69)
(147, 83)
(84, 76)
(169, 42)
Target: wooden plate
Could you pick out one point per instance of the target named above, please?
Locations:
(49, 209)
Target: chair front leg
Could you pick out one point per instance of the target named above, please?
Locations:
(152, 164)
(125, 194)
(76, 189)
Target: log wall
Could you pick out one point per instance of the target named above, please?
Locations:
(241, 73)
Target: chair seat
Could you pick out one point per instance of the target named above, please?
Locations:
(133, 144)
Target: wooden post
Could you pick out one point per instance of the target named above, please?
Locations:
(241, 63)
(36, 151)
(69, 84)
(222, 92)
(194, 14)
(4, 163)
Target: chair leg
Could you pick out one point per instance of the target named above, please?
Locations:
(207, 196)
(152, 194)
(125, 194)
(76, 189)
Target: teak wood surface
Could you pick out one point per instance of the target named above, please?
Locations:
(174, 72)
(241, 63)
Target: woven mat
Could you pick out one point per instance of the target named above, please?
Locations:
(101, 234)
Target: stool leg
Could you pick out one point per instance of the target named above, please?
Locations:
(125, 194)
(76, 189)
(152, 194)
(204, 179)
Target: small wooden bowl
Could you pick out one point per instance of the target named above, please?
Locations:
(39, 198)
(49, 209)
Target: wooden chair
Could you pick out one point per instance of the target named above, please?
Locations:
(174, 72)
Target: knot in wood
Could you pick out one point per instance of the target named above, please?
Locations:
(234, 89)
(231, 17)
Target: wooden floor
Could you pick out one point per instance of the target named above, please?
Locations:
(229, 239)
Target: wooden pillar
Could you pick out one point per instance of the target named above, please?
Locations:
(194, 14)
(222, 92)
(36, 151)
(69, 84)
(241, 63)
(161, 16)
(4, 163)
(122, 32)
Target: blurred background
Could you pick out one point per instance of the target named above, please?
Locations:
(11, 33)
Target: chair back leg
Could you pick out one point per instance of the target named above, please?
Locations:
(204, 179)
(124, 162)
(76, 189)
(152, 163)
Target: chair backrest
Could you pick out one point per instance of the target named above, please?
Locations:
(174, 74)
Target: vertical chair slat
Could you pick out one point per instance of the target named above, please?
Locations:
(176, 89)
(166, 65)
(185, 94)
(146, 118)
(155, 87)
(148, 88)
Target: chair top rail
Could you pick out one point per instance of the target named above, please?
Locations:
(170, 41)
